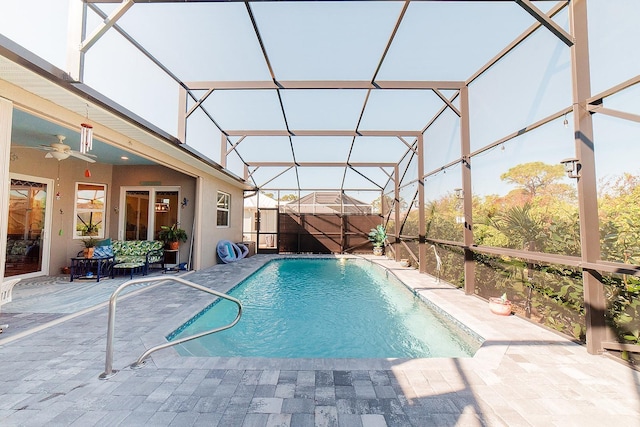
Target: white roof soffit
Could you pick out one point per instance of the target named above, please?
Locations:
(22, 68)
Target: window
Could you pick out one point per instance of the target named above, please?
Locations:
(224, 202)
(90, 210)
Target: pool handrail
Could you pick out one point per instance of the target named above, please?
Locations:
(108, 370)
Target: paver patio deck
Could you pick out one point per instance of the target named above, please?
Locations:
(54, 350)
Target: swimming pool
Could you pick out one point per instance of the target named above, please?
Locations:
(325, 308)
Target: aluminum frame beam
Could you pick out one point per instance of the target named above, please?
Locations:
(324, 164)
(283, 132)
(108, 23)
(594, 300)
(467, 199)
(540, 16)
(614, 113)
(326, 84)
(555, 10)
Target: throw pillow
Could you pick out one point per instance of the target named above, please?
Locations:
(103, 251)
(105, 242)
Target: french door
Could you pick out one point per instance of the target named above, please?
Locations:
(29, 226)
(145, 210)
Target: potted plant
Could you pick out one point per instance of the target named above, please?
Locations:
(378, 235)
(172, 236)
(89, 246)
(501, 306)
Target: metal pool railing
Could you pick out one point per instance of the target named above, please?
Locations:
(108, 369)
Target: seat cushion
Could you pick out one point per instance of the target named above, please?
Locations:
(122, 265)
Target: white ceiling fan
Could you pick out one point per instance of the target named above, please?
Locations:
(60, 151)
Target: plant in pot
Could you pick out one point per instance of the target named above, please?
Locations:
(89, 246)
(172, 236)
(377, 236)
(501, 306)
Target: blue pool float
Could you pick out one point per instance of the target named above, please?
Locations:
(231, 252)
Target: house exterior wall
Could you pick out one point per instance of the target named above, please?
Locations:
(180, 170)
(31, 162)
(210, 234)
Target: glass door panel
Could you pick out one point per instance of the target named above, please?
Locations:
(136, 215)
(27, 217)
(166, 210)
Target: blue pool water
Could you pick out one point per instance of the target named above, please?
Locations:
(325, 308)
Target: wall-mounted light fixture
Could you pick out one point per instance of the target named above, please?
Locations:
(459, 193)
(571, 167)
(184, 203)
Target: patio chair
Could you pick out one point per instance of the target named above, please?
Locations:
(6, 290)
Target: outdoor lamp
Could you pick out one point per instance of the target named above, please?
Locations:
(458, 193)
(571, 167)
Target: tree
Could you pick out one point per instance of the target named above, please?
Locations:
(384, 204)
(619, 218)
(533, 177)
(288, 198)
(523, 229)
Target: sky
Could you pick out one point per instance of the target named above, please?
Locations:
(345, 41)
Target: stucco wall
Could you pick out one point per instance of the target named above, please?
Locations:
(210, 233)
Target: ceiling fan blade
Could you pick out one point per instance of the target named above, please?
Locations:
(81, 156)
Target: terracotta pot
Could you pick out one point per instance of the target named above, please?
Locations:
(88, 252)
(377, 250)
(499, 306)
(173, 245)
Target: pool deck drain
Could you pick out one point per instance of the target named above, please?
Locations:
(522, 374)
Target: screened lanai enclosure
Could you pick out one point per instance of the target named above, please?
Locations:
(496, 141)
